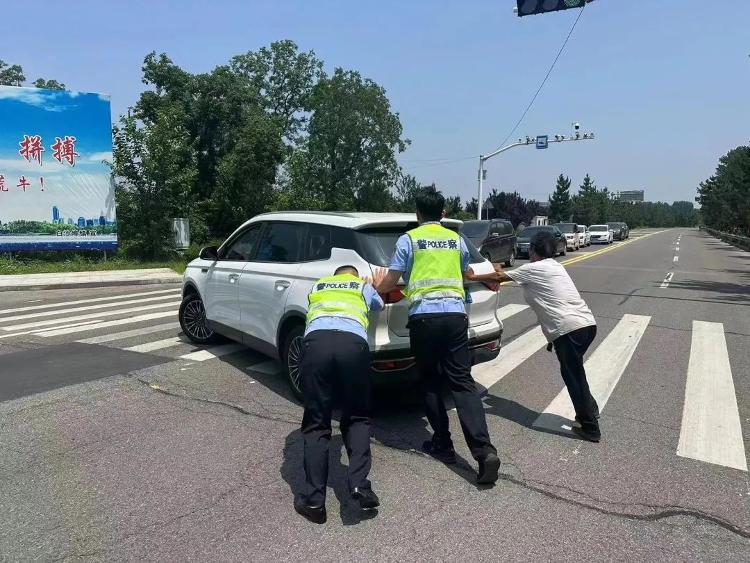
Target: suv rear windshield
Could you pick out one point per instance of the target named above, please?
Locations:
(377, 244)
(566, 227)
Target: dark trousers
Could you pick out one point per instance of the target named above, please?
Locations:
(440, 344)
(335, 364)
(570, 349)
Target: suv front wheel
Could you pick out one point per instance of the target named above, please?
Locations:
(292, 358)
(192, 317)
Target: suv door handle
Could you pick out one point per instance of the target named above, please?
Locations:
(233, 278)
(281, 285)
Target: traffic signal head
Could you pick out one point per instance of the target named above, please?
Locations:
(532, 7)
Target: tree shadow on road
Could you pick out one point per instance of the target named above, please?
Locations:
(730, 291)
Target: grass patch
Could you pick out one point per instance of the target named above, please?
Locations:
(30, 264)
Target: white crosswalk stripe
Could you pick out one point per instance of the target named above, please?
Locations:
(93, 300)
(156, 345)
(36, 324)
(510, 357)
(603, 370)
(130, 333)
(214, 352)
(106, 324)
(59, 312)
(711, 429)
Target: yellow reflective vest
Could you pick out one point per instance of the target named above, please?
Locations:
(338, 296)
(436, 268)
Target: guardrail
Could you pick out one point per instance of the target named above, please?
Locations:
(734, 240)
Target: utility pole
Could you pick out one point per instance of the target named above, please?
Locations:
(540, 142)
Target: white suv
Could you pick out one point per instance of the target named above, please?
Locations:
(253, 289)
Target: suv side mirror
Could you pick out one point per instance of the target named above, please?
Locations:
(209, 253)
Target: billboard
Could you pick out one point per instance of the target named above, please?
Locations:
(56, 190)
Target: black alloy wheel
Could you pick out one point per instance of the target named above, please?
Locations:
(292, 358)
(193, 322)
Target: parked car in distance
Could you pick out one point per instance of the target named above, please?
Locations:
(570, 231)
(617, 231)
(524, 238)
(600, 234)
(495, 239)
(583, 236)
(626, 229)
(253, 288)
(587, 235)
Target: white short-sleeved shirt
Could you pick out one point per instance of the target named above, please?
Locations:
(553, 296)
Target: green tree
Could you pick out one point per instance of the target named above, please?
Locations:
(48, 84)
(472, 207)
(348, 159)
(282, 79)
(560, 205)
(11, 75)
(725, 197)
(585, 203)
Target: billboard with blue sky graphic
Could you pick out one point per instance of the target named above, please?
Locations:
(56, 191)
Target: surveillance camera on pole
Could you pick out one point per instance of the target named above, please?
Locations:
(540, 141)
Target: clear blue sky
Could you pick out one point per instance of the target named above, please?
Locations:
(664, 84)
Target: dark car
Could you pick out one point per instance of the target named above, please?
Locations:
(524, 238)
(495, 239)
(618, 233)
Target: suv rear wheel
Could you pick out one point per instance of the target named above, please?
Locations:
(192, 317)
(511, 259)
(292, 358)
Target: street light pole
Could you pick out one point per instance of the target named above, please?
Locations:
(521, 142)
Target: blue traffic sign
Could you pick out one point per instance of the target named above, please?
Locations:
(541, 142)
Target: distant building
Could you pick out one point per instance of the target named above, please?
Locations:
(89, 222)
(629, 195)
(82, 222)
(70, 221)
(102, 220)
(55, 214)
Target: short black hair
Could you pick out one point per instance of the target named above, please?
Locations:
(430, 203)
(348, 269)
(543, 244)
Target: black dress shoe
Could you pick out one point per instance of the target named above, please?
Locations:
(488, 468)
(443, 453)
(316, 514)
(367, 498)
(586, 434)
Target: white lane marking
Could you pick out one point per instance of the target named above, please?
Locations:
(603, 371)
(510, 357)
(509, 310)
(711, 429)
(34, 331)
(214, 352)
(64, 312)
(57, 331)
(155, 345)
(129, 333)
(675, 259)
(268, 367)
(80, 301)
(99, 315)
(666, 281)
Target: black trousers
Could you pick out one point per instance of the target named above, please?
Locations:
(440, 344)
(335, 365)
(570, 349)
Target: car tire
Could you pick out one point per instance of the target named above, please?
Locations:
(192, 316)
(292, 359)
(564, 251)
(510, 262)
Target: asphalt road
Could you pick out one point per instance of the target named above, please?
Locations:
(120, 442)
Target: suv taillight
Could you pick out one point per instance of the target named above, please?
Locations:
(393, 296)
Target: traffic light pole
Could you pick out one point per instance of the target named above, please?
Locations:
(519, 143)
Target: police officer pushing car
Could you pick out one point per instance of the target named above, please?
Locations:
(336, 356)
(434, 262)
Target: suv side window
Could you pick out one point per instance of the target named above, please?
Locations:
(507, 229)
(317, 243)
(281, 242)
(496, 229)
(243, 247)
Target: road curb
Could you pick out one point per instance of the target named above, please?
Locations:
(91, 284)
